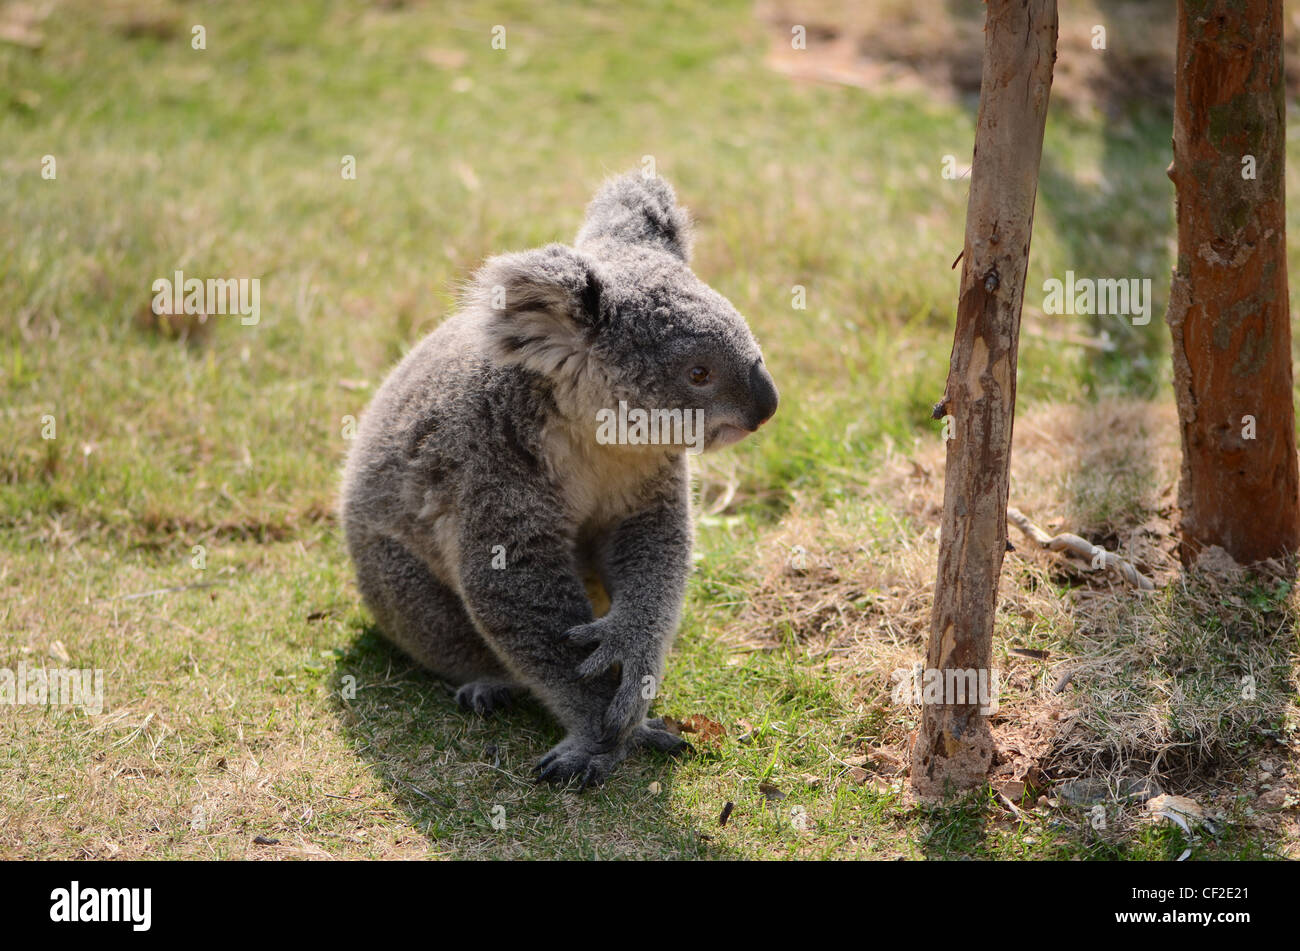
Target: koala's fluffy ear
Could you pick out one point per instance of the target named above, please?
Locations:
(543, 306)
(639, 209)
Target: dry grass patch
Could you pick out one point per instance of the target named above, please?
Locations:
(1104, 689)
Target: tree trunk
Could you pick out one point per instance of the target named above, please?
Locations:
(1228, 310)
(954, 744)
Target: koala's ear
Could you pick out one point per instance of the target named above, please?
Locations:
(639, 209)
(543, 306)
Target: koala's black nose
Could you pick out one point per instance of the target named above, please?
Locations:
(762, 393)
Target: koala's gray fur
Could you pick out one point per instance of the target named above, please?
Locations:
(485, 435)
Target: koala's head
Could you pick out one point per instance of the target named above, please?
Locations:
(621, 317)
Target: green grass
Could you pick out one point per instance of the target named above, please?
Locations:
(223, 716)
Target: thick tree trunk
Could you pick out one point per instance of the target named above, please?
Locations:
(954, 744)
(1228, 309)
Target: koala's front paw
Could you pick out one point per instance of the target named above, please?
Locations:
(576, 759)
(637, 674)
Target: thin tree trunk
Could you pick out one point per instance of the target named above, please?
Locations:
(1228, 310)
(954, 744)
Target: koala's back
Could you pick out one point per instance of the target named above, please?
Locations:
(443, 403)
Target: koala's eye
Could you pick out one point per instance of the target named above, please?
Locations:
(699, 375)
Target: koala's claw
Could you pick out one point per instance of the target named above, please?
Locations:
(485, 696)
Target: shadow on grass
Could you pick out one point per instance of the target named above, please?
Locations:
(465, 782)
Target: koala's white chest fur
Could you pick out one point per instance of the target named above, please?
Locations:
(601, 485)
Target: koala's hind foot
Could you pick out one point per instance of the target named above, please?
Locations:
(486, 696)
(576, 759)
(653, 735)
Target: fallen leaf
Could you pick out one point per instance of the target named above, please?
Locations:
(707, 731)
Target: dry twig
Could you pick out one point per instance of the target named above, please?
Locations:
(1082, 547)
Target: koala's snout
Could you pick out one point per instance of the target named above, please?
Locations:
(762, 393)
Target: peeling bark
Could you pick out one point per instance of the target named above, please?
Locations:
(954, 745)
(1229, 315)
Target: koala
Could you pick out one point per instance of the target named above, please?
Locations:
(506, 532)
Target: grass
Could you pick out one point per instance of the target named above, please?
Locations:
(225, 717)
